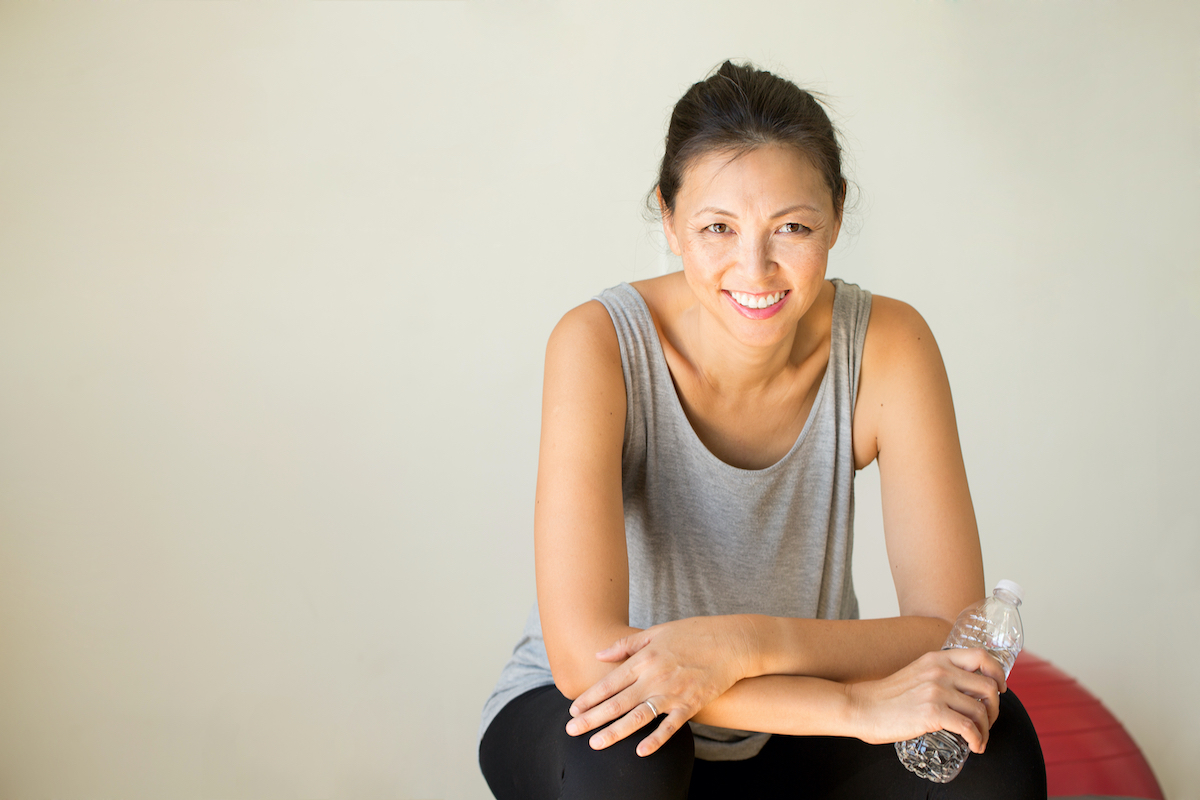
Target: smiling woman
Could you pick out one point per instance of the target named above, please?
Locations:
(696, 632)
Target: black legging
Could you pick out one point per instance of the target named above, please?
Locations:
(526, 754)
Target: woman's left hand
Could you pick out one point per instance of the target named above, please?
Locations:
(679, 666)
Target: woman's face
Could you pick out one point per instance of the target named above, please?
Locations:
(754, 232)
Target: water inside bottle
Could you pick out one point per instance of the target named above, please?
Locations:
(937, 756)
(1005, 657)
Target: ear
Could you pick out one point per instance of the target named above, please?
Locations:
(667, 223)
(840, 209)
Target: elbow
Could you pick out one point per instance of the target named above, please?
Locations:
(572, 658)
(568, 688)
(569, 678)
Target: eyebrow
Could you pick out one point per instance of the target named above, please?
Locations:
(780, 213)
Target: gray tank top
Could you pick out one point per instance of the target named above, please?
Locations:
(708, 538)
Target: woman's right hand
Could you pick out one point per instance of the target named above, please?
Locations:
(680, 665)
(953, 690)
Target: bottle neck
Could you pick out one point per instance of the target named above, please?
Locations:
(1007, 596)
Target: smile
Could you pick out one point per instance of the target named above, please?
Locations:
(757, 300)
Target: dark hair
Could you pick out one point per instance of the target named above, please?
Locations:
(739, 108)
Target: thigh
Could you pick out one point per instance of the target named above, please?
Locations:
(835, 768)
(526, 754)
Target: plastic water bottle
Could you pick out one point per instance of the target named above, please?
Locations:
(995, 625)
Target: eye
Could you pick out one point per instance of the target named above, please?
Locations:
(718, 227)
(793, 227)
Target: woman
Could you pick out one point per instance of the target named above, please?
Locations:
(696, 632)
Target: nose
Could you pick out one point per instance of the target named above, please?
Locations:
(756, 259)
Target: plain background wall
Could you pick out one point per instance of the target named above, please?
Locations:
(275, 283)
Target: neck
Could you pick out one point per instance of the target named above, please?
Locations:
(729, 366)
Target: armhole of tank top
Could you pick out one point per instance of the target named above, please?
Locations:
(860, 318)
(616, 307)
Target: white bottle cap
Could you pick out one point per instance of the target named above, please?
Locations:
(1013, 588)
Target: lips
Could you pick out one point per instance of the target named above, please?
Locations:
(757, 306)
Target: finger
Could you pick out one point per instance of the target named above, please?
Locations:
(979, 660)
(991, 704)
(990, 667)
(614, 682)
(606, 712)
(623, 648)
(665, 730)
(968, 729)
(639, 717)
(983, 690)
(975, 715)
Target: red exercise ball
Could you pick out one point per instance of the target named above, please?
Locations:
(1088, 752)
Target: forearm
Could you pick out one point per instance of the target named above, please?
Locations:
(956, 690)
(788, 704)
(803, 667)
(842, 650)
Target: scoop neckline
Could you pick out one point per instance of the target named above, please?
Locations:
(693, 438)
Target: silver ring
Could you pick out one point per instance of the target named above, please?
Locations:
(653, 710)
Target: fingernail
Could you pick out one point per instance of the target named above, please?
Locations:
(573, 727)
(641, 750)
(574, 711)
(597, 742)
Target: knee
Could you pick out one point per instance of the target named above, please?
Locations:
(1020, 737)
(618, 771)
(1012, 766)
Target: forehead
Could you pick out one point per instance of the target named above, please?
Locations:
(771, 174)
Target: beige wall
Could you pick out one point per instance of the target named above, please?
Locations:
(275, 280)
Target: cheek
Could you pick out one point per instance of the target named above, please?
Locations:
(804, 251)
(711, 250)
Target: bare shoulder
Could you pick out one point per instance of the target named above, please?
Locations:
(585, 329)
(584, 340)
(665, 294)
(901, 369)
(895, 328)
(583, 362)
(898, 342)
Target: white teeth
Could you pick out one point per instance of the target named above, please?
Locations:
(757, 301)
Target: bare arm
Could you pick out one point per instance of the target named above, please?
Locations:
(928, 518)
(579, 527)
